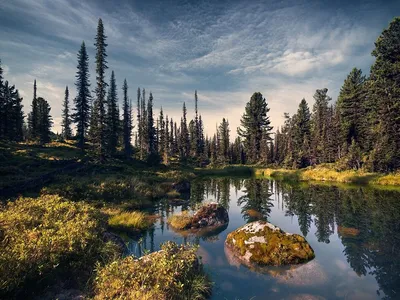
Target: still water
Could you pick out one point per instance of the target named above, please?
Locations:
(354, 231)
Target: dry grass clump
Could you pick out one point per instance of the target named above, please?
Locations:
(130, 221)
(180, 221)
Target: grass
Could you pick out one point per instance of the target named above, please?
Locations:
(180, 221)
(330, 175)
(130, 221)
(175, 272)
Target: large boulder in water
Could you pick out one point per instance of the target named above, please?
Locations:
(261, 243)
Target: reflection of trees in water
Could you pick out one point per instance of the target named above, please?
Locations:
(213, 189)
(256, 202)
(368, 222)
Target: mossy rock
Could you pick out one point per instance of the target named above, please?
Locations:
(261, 243)
(211, 215)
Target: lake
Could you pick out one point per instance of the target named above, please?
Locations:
(354, 231)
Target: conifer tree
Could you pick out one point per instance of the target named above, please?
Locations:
(385, 93)
(184, 136)
(255, 126)
(224, 141)
(33, 116)
(112, 120)
(127, 121)
(302, 135)
(320, 126)
(151, 132)
(66, 118)
(82, 107)
(350, 107)
(44, 120)
(161, 133)
(98, 110)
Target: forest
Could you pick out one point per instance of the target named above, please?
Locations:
(358, 131)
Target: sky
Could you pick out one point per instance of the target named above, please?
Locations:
(226, 50)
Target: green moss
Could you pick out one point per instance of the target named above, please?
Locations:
(277, 249)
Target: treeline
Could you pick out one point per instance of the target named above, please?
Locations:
(360, 130)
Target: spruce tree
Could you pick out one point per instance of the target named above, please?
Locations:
(112, 120)
(44, 120)
(151, 132)
(224, 141)
(33, 116)
(99, 112)
(82, 108)
(66, 118)
(350, 107)
(127, 122)
(385, 93)
(320, 127)
(255, 126)
(184, 136)
(302, 135)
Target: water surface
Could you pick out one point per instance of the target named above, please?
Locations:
(353, 230)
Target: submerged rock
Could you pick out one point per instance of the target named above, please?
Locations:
(261, 243)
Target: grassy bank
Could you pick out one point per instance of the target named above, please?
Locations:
(327, 174)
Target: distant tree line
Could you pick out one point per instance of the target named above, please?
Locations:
(360, 130)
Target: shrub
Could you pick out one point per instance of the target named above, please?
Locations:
(129, 221)
(172, 273)
(43, 237)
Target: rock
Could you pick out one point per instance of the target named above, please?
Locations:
(261, 243)
(210, 215)
(117, 240)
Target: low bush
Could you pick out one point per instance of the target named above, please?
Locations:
(172, 273)
(41, 238)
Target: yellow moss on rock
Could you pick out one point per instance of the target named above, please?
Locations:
(262, 243)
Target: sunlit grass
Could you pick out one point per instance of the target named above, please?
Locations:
(129, 221)
(180, 221)
(328, 174)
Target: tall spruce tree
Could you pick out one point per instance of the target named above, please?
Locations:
(184, 137)
(223, 141)
(302, 135)
(82, 107)
(98, 110)
(33, 116)
(66, 118)
(127, 121)
(385, 93)
(112, 120)
(350, 107)
(44, 120)
(320, 127)
(255, 126)
(151, 131)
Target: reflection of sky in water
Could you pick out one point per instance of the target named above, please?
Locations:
(329, 276)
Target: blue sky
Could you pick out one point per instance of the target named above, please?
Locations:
(225, 49)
